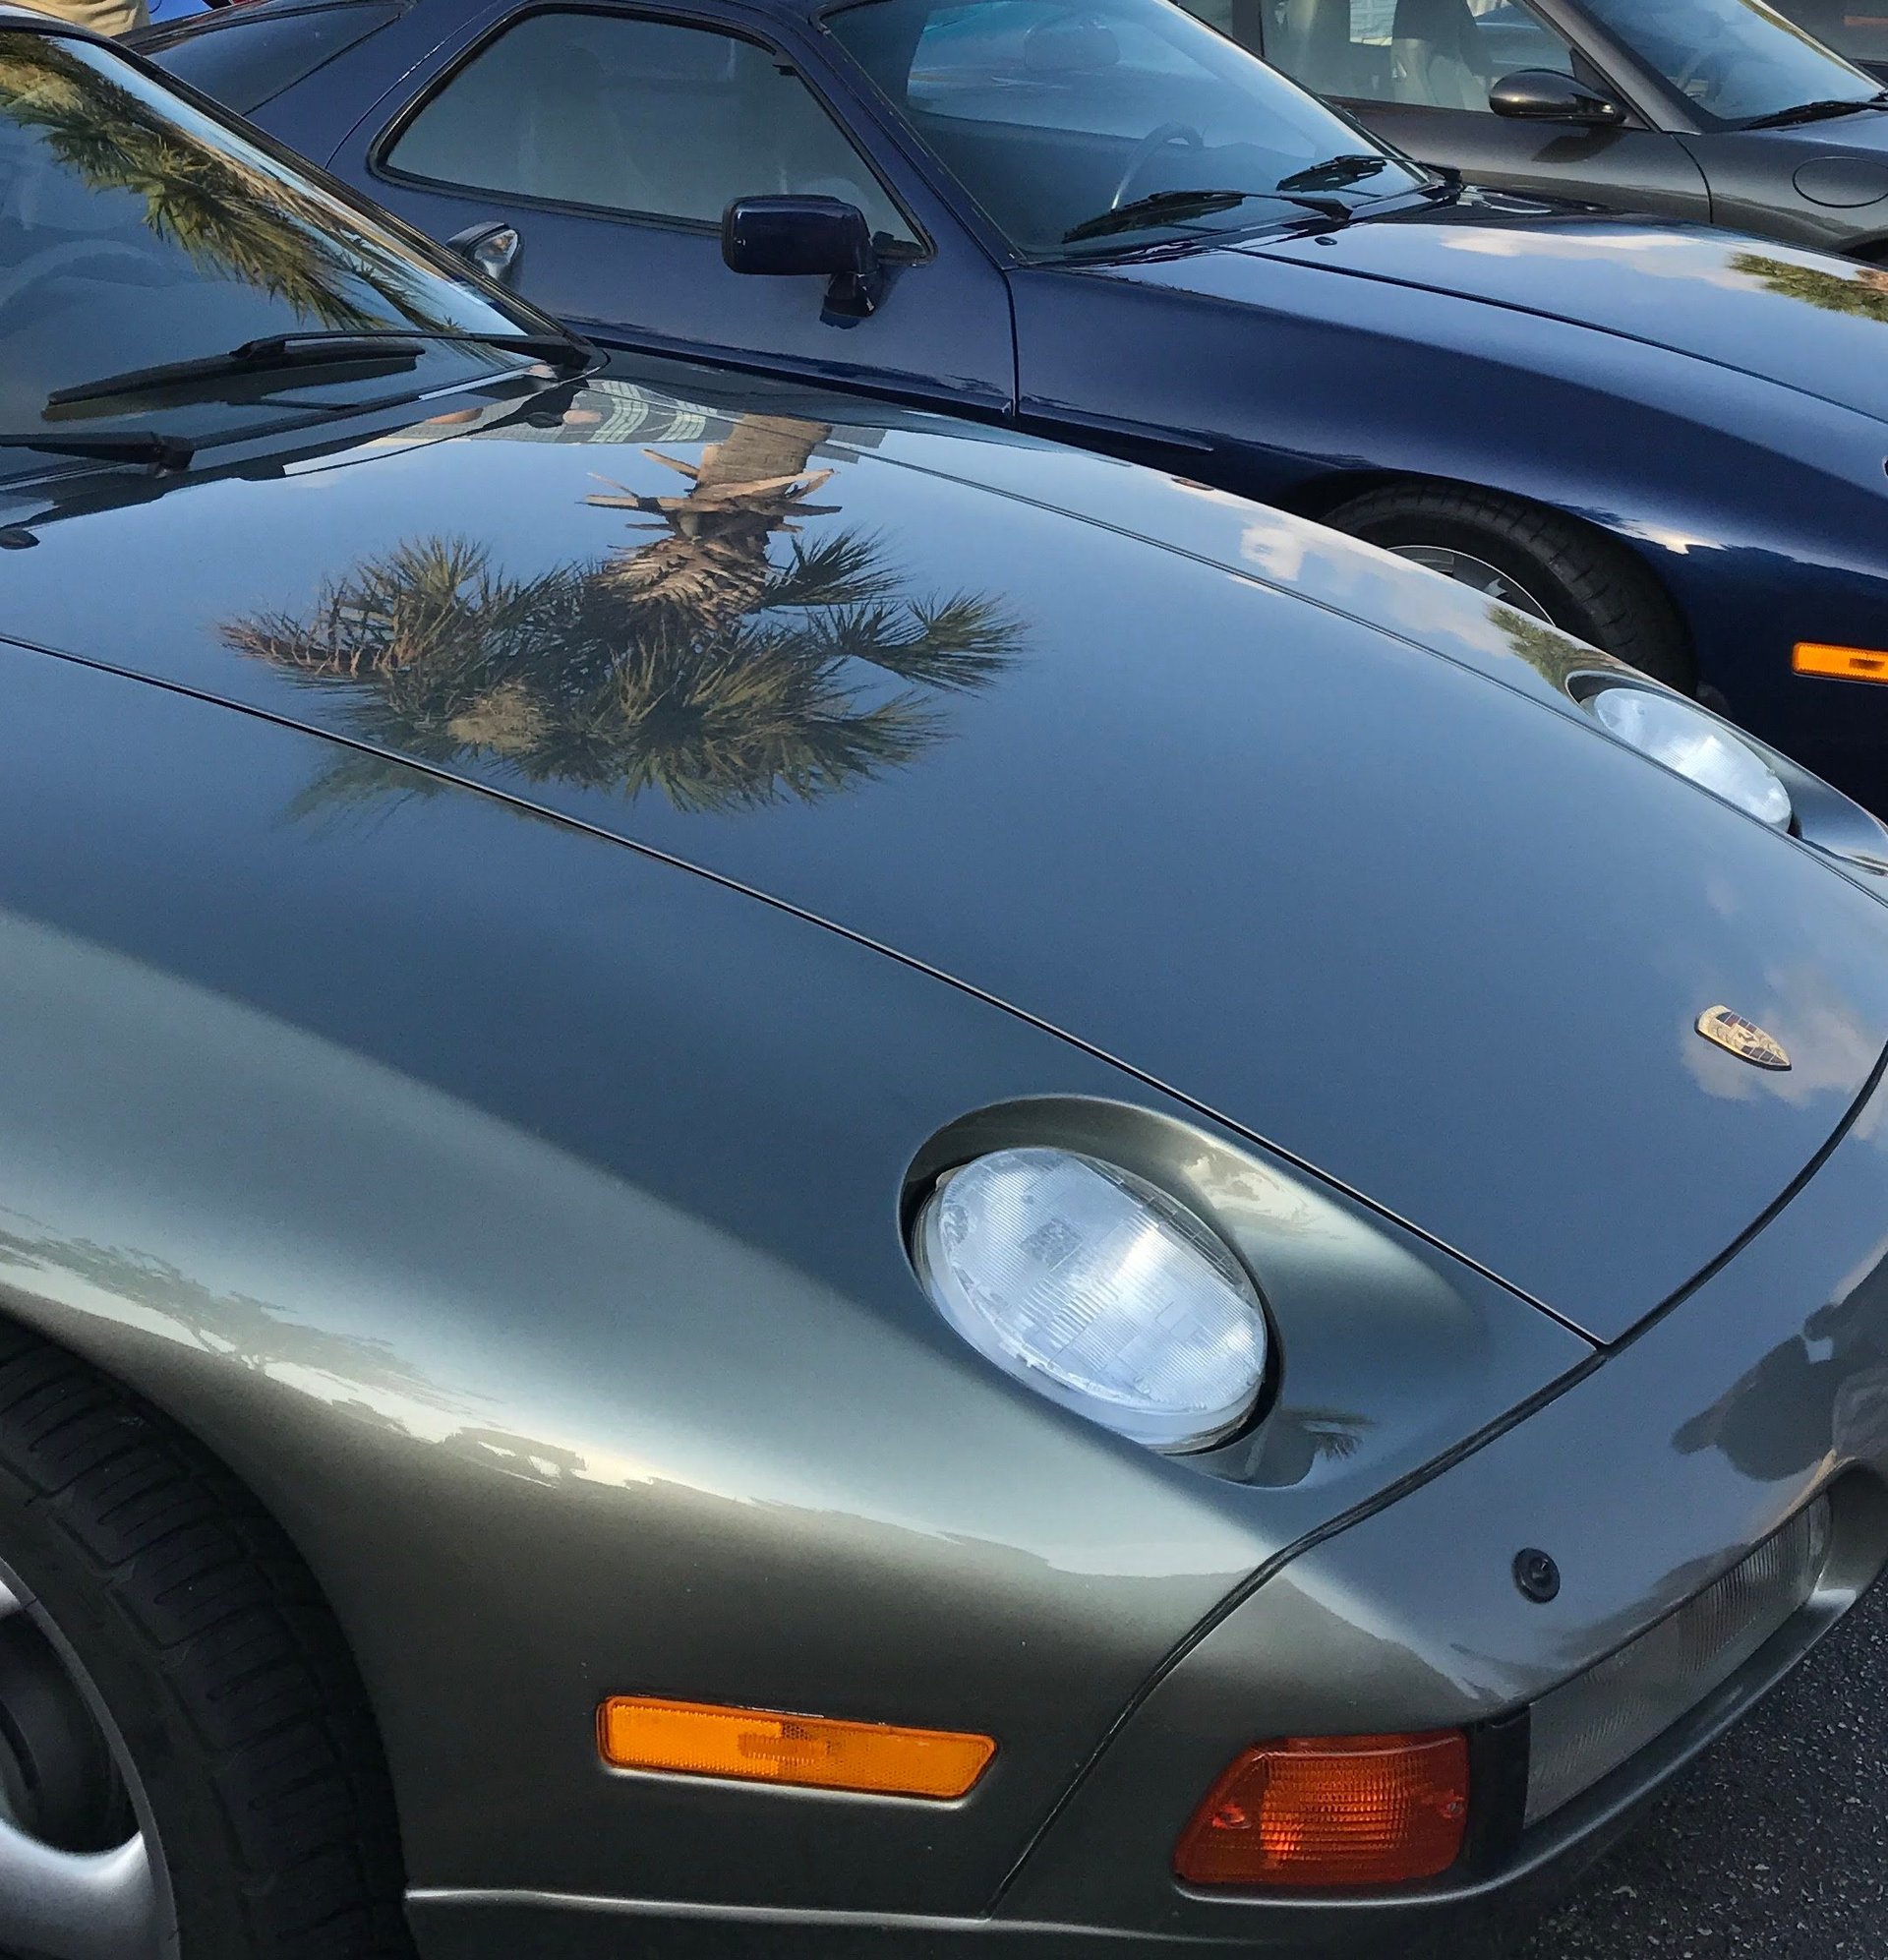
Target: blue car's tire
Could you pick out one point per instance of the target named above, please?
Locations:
(187, 1764)
(1538, 561)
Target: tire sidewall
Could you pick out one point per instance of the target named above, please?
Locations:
(119, 1667)
(1511, 561)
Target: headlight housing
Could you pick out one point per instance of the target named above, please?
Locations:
(1097, 1291)
(1694, 744)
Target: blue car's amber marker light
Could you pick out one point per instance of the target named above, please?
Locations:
(757, 1746)
(1839, 663)
(1332, 1811)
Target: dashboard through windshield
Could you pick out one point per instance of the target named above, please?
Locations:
(1732, 61)
(1097, 127)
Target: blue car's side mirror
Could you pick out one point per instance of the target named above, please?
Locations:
(794, 237)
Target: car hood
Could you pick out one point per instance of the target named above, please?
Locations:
(1803, 319)
(1306, 835)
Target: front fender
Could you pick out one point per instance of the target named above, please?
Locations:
(518, 1214)
(1759, 508)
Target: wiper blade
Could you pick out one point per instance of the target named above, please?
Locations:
(1334, 172)
(161, 452)
(1172, 206)
(281, 353)
(1815, 112)
(559, 350)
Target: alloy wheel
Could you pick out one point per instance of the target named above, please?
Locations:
(80, 1873)
(1467, 570)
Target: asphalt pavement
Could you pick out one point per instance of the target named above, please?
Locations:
(1773, 1845)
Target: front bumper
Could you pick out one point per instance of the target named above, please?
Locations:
(1762, 1389)
(1647, 1481)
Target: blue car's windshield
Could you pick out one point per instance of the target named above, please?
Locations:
(1109, 123)
(1735, 61)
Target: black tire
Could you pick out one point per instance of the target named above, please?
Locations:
(1584, 583)
(216, 1659)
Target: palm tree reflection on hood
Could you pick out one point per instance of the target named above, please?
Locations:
(229, 213)
(1554, 655)
(692, 663)
(1862, 290)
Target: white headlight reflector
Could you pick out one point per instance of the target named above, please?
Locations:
(1688, 741)
(1097, 1291)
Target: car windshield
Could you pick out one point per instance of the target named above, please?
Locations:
(1733, 61)
(1857, 28)
(139, 234)
(1113, 124)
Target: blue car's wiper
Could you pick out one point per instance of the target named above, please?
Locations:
(137, 445)
(1335, 172)
(1815, 112)
(283, 352)
(1174, 206)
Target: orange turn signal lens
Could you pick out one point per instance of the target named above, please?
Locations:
(1332, 1811)
(755, 1746)
(1839, 663)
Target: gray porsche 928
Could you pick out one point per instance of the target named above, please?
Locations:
(792, 1184)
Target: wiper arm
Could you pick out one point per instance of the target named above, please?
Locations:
(281, 353)
(1171, 207)
(1334, 172)
(161, 452)
(1815, 112)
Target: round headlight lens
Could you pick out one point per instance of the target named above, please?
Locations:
(1097, 1291)
(1688, 741)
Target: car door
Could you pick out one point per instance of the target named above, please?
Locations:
(1418, 72)
(613, 139)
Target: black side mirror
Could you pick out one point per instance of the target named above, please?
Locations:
(1544, 96)
(492, 246)
(795, 237)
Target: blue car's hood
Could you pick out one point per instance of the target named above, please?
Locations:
(1809, 321)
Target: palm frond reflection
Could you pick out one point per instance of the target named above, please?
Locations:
(231, 214)
(695, 663)
(1860, 290)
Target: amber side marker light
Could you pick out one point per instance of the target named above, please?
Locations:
(1839, 663)
(1332, 1811)
(757, 1746)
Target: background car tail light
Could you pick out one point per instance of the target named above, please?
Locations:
(757, 1746)
(1332, 1811)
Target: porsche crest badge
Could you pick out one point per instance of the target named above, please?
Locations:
(1744, 1038)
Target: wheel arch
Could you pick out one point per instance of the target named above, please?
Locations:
(142, 1525)
(1325, 496)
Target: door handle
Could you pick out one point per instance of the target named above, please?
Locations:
(492, 246)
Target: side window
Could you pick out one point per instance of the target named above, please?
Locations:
(1438, 54)
(637, 116)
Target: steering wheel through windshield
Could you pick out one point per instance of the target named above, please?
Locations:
(1145, 151)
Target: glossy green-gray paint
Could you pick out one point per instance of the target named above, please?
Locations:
(1278, 857)
(519, 1216)
(505, 1174)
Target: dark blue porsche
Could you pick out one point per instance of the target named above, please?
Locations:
(1102, 220)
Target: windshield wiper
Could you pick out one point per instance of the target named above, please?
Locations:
(1815, 112)
(281, 353)
(1173, 206)
(139, 446)
(1334, 172)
